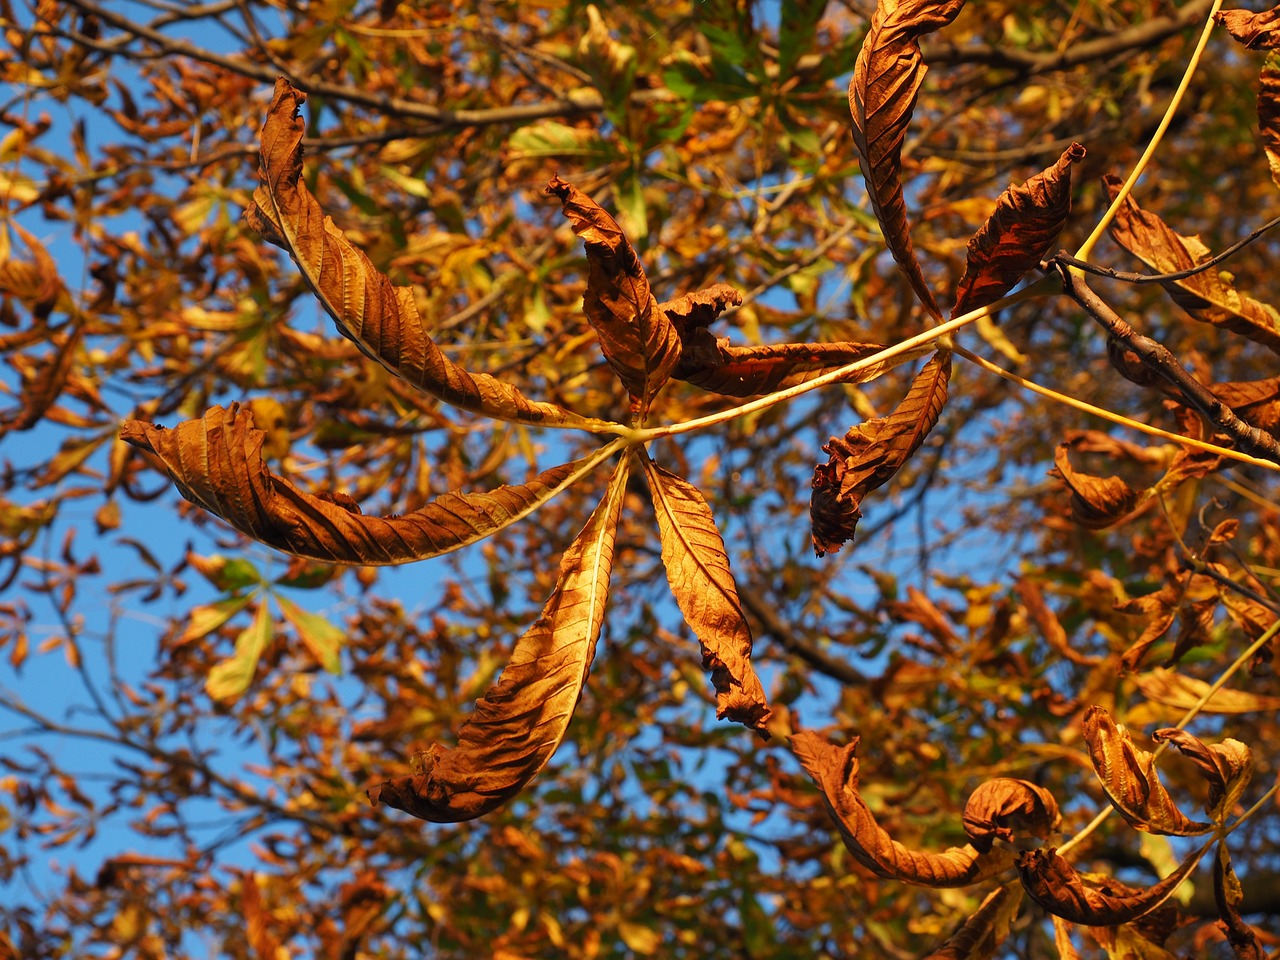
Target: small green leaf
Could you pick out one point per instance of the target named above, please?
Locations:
(321, 637)
(210, 616)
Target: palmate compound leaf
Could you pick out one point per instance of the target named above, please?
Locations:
(713, 364)
(980, 936)
(1129, 778)
(216, 462)
(1056, 885)
(882, 95)
(520, 722)
(871, 453)
(379, 317)
(1209, 296)
(638, 340)
(1025, 223)
(698, 571)
(835, 770)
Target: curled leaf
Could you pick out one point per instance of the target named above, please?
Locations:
(698, 571)
(1026, 221)
(835, 770)
(1228, 766)
(882, 96)
(1008, 809)
(519, 723)
(1129, 778)
(1183, 692)
(379, 317)
(1228, 895)
(1257, 31)
(1269, 106)
(979, 937)
(1056, 885)
(217, 463)
(871, 453)
(1096, 502)
(1209, 296)
(638, 340)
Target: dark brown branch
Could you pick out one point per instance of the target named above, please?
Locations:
(1097, 271)
(581, 102)
(1139, 36)
(1157, 358)
(788, 639)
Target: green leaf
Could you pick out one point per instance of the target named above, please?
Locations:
(210, 616)
(321, 637)
(229, 679)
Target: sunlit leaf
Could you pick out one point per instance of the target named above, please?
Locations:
(871, 453)
(230, 678)
(835, 770)
(1010, 810)
(1210, 295)
(1228, 894)
(1025, 223)
(1182, 692)
(638, 340)
(317, 634)
(1228, 766)
(519, 723)
(216, 462)
(882, 96)
(698, 570)
(1129, 778)
(380, 318)
(981, 935)
(1257, 31)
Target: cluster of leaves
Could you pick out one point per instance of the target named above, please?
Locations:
(616, 846)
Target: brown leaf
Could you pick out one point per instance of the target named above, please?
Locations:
(835, 770)
(1025, 223)
(1054, 884)
(638, 340)
(1228, 895)
(380, 318)
(1209, 296)
(871, 453)
(981, 935)
(698, 572)
(712, 364)
(1255, 401)
(1047, 623)
(1183, 692)
(1269, 105)
(1129, 778)
(1008, 809)
(1096, 502)
(519, 723)
(42, 387)
(1257, 31)
(882, 96)
(1228, 766)
(1158, 611)
(217, 464)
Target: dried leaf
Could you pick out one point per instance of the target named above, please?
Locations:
(1096, 502)
(882, 96)
(1257, 31)
(981, 935)
(1054, 884)
(1047, 623)
(1228, 895)
(1158, 611)
(217, 463)
(1228, 766)
(1129, 778)
(1255, 401)
(1025, 223)
(42, 387)
(638, 340)
(1010, 810)
(835, 770)
(871, 453)
(1269, 106)
(698, 571)
(1062, 940)
(519, 723)
(1183, 692)
(380, 318)
(1209, 296)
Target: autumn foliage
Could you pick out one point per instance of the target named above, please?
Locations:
(664, 693)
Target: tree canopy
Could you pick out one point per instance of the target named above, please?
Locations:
(768, 480)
